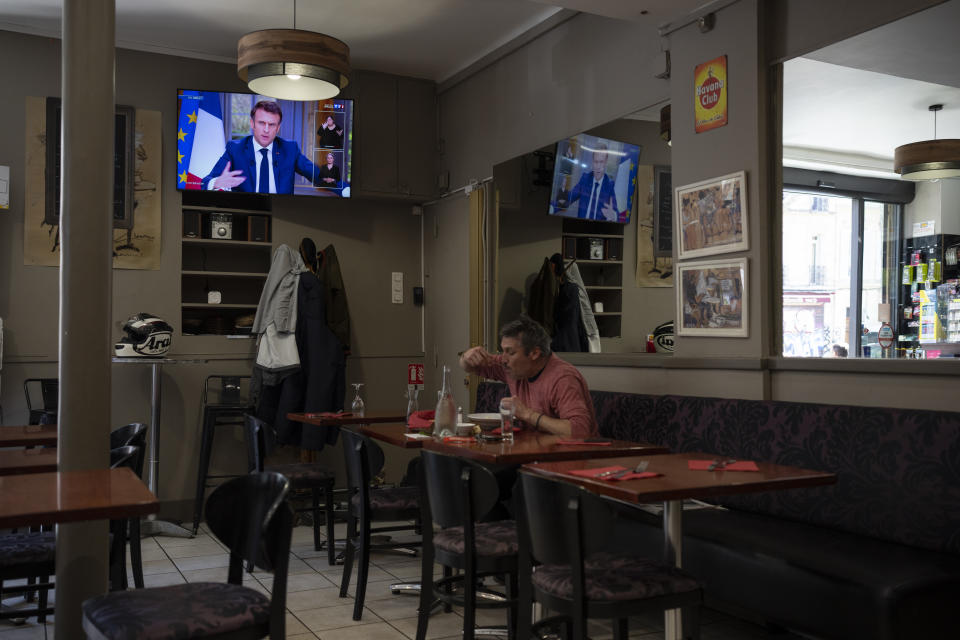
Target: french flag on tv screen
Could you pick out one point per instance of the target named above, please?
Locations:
(200, 137)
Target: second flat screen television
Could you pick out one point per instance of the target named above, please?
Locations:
(594, 179)
(220, 137)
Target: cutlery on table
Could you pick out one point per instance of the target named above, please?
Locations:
(719, 464)
(612, 475)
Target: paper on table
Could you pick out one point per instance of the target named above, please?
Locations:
(329, 414)
(703, 465)
(417, 436)
(463, 439)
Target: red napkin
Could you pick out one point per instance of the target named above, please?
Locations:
(742, 465)
(329, 414)
(593, 473)
(579, 442)
(464, 439)
(421, 420)
(498, 431)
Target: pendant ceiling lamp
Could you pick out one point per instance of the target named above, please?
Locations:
(930, 159)
(293, 64)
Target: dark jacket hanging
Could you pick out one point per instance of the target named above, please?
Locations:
(322, 361)
(337, 313)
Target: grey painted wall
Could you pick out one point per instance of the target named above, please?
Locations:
(585, 72)
(373, 238)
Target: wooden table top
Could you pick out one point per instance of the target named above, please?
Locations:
(72, 496)
(339, 420)
(30, 435)
(678, 482)
(532, 446)
(18, 461)
(393, 433)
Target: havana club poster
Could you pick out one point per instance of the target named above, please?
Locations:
(710, 91)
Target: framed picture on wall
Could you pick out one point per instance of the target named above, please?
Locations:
(711, 216)
(712, 298)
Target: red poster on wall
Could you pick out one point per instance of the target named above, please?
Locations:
(710, 94)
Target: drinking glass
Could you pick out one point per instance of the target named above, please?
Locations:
(357, 406)
(506, 419)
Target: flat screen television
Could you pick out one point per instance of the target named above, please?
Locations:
(220, 138)
(594, 179)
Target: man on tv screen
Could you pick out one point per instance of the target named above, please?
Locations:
(241, 167)
(594, 192)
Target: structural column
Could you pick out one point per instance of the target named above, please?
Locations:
(86, 203)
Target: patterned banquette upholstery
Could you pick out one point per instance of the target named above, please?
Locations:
(877, 555)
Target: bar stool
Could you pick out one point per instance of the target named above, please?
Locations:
(225, 401)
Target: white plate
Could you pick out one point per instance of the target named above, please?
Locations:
(485, 419)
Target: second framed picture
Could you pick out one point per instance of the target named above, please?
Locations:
(712, 298)
(711, 216)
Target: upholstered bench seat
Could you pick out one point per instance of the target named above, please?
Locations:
(875, 556)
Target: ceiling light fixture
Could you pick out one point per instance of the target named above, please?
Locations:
(293, 64)
(930, 159)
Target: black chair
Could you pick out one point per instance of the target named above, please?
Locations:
(308, 476)
(31, 554)
(251, 517)
(225, 401)
(456, 495)
(563, 535)
(133, 434)
(364, 460)
(46, 391)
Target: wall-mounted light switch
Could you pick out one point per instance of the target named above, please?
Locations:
(396, 287)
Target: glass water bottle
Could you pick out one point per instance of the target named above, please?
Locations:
(445, 417)
(413, 402)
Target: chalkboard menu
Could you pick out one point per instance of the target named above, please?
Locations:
(123, 165)
(662, 212)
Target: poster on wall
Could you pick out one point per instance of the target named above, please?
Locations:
(136, 245)
(710, 94)
(654, 266)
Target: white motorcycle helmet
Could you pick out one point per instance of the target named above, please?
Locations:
(146, 337)
(663, 337)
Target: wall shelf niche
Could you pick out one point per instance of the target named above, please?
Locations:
(225, 256)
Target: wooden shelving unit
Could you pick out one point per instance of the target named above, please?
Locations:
(598, 249)
(235, 266)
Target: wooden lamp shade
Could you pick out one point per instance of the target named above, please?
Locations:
(928, 160)
(293, 64)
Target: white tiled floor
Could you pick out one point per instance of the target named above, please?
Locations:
(315, 609)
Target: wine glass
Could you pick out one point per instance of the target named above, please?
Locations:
(506, 419)
(357, 405)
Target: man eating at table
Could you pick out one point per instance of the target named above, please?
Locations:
(548, 393)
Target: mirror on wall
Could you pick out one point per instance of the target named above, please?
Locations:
(624, 265)
(866, 254)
